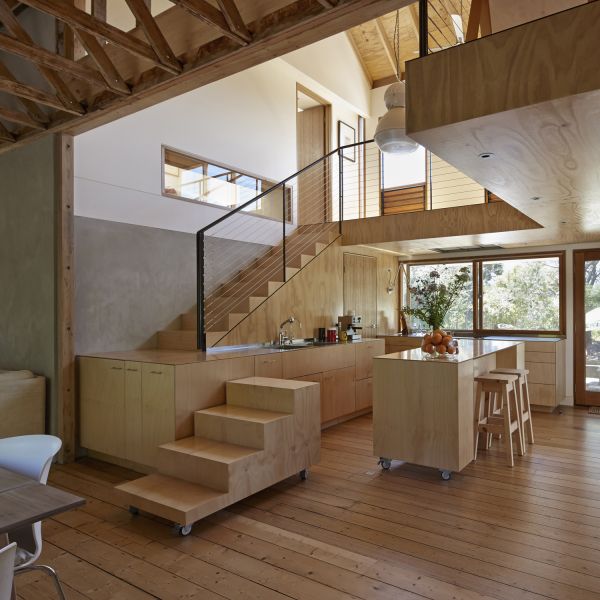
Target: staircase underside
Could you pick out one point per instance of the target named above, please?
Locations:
(531, 96)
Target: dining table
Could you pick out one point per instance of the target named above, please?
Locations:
(24, 501)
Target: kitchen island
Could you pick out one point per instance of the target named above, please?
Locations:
(424, 408)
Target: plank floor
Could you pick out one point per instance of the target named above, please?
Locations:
(352, 531)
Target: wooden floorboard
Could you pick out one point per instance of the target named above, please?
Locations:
(351, 530)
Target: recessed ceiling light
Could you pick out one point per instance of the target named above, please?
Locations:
(564, 222)
(487, 155)
(535, 197)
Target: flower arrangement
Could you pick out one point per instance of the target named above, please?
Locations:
(433, 299)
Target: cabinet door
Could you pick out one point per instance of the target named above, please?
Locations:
(133, 412)
(364, 394)
(337, 394)
(268, 365)
(158, 409)
(365, 352)
(102, 405)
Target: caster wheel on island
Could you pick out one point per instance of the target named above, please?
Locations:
(385, 463)
(183, 530)
(134, 510)
(304, 474)
(446, 475)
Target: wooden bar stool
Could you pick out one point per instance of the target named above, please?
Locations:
(496, 395)
(522, 390)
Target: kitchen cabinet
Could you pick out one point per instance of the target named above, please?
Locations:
(337, 394)
(365, 353)
(268, 365)
(133, 411)
(103, 405)
(364, 394)
(399, 343)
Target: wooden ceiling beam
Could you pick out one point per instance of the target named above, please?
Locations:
(234, 18)
(6, 135)
(80, 20)
(42, 57)
(20, 118)
(213, 17)
(157, 40)
(21, 42)
(326, 3)
(32, 109)
(28, 92)
(387, 45)
(107, 69)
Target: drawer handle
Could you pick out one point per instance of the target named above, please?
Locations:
(117, 368)
(133, 370)
(268, 362)
(156, 372)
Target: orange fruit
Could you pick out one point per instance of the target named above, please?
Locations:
(429, 348)
(451, 349)
(446, 340)
(436, 339)
(441, 349)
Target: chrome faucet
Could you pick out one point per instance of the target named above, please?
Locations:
(283, 338)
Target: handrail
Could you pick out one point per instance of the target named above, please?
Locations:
(279, 184)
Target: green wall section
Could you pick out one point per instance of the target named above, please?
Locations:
(27, 263)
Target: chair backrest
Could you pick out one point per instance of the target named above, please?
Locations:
(29, 455)
(7, 565)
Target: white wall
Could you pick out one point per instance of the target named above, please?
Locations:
(247, 121)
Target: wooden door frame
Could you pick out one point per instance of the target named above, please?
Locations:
(581, 395)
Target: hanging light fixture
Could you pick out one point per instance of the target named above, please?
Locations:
(390, 134)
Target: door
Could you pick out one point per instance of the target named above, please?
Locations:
(311, 138)
(360, 290)
(586, 316)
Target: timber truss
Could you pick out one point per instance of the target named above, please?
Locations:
(118, 72)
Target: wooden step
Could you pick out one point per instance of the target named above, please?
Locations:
(236, 424)
(207, 462)
(178, 339)
(212, 337)
(189, 320)
(263, 394)
(172, 498)
(302, 260)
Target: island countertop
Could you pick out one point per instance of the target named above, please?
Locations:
(469, 349)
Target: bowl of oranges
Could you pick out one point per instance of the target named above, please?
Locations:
(439, 344)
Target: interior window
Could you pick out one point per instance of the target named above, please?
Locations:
(194, 178)
(401, 170)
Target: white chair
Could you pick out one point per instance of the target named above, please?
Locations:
(7, 567)
(30, 455)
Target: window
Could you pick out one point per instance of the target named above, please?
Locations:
(516, 294)
(521, 294)
(402, 170)
(460, 316)
(193, 178)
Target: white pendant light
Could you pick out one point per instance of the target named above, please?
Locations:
(390, 134)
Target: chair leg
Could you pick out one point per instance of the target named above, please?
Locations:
(49, 571)
(519, 420)
(518, 397)
(527, 407)
(507, 433)
(480, 394)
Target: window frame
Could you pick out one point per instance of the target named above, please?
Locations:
(477, 270)
(164, 148)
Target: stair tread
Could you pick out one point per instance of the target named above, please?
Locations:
(170, 492)
(211, 449)
(243, 413)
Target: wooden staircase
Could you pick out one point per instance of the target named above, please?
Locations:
(234, 300)
(268, 430)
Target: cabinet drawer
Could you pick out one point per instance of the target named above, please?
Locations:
(364, 357)
(540, 357)
(298, 363)
(542, 373)
(268, 365)
(364, 394)
(540, 346)
(542, 395)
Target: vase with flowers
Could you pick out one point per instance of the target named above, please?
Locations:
(431, 301)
